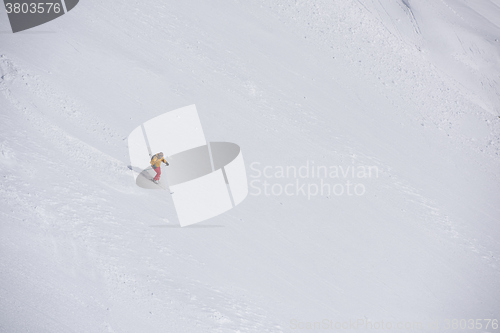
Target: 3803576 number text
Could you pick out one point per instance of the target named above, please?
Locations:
(32, 8)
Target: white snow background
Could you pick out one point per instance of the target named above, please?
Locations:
(408, 86)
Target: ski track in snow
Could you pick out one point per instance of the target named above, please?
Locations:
(63, 213)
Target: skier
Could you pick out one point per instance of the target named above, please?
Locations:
(156, 165)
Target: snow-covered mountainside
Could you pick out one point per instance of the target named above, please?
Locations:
(398, 99)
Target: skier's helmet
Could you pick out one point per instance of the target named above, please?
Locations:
(160, 154)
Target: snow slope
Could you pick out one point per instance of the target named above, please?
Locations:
(344, 83)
